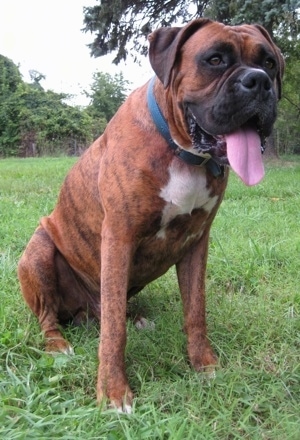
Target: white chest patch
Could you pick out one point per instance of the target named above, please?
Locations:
(185, 191)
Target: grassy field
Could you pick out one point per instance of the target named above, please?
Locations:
(253, 317)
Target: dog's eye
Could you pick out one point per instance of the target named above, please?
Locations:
(269, 63)
(215, 60)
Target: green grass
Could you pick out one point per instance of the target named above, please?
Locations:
(253, 319)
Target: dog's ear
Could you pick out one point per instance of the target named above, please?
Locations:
(279, 56)
(165, 44)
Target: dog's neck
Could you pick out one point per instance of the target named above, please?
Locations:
(163, 128)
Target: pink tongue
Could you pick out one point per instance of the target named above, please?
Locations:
(244, 155)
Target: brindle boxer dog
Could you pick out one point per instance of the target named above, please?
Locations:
(143, 197)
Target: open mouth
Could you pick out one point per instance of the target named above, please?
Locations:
(241, 149)
(205, 143)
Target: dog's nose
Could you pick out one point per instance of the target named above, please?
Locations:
(257, 82)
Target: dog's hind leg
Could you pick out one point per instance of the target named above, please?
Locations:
(39, 285)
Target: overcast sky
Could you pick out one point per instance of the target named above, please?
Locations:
(45, 35)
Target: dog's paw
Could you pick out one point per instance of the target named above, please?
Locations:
(115, 406)
(121, 409)
(59, 345)
(118, 398)
(203, 359)
(208, 372)
(69, 351)
(142, 323)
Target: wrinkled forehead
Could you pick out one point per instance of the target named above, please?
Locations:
(244, 40)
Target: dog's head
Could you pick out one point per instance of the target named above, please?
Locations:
(222, 84)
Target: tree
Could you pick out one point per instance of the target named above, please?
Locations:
(288, 121)
(281, 19)
(37, 121)
(269, 13)
(34, 120)
(120, 23)
(10, 77)
(36, 77)
(123, 25)
(48, 124)
(10, 80)
(107, 94)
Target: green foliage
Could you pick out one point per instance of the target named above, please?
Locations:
(10, 80)
(253, 304)
(279, 17)
(9, 125)
(107, 94)
(288, 122)
(120, 23)
(37, 122)
(48, 122)
(10, 77)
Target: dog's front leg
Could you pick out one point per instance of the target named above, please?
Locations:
(191, 278)
(112, 381)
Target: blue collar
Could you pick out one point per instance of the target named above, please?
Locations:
(162, 126)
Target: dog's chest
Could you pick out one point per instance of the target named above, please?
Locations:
(185, 192)
(189, 205)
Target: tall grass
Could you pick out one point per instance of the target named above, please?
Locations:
(253, 318)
